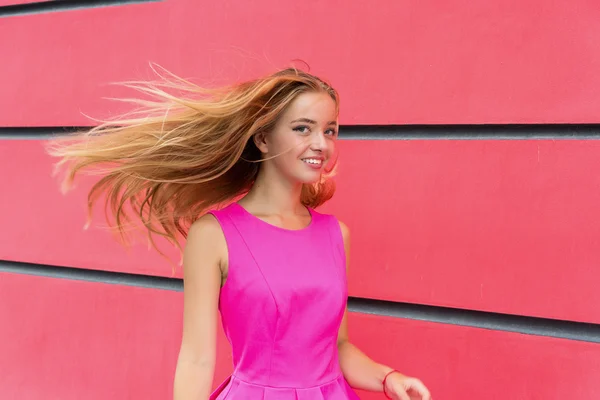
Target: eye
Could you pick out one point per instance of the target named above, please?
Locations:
(331, 132)
(302, 129)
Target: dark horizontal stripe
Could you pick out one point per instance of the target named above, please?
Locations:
(77, 274)
(61, 5)
(580, 331)
(37, 132)
(397, 132)
(586, 332)
(471, 132)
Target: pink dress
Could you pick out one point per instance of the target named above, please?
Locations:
(281, 308)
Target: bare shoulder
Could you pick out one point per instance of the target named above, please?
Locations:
(345, 230)
(206, 242)
(346, 238)
(205, 227)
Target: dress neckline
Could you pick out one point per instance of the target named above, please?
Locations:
(268, 224)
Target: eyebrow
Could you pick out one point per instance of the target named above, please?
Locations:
(310, 121)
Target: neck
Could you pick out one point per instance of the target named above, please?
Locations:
(272, 194)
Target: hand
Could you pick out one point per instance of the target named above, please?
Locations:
(400, 387)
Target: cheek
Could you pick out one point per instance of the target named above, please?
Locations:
(287, 160)
(331, 147)
(286, 143)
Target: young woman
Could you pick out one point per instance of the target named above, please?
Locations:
(239, 172)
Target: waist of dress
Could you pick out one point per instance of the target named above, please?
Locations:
(236, 389)
(236, 376)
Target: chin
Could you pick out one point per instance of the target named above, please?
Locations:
(309, 180)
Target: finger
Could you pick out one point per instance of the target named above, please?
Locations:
(418, 387)
(401, 394)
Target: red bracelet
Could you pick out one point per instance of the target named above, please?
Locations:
(385, 379)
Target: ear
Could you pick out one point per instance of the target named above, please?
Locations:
(260, 140)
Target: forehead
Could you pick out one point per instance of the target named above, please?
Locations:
(317, 106)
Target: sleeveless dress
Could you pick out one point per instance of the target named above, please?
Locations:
(281, 307)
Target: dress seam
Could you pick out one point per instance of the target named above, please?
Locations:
(270, 291)
(290, 387)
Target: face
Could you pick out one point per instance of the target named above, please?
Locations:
(303, 140)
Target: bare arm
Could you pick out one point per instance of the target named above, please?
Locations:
(360, 371)
(202, 260)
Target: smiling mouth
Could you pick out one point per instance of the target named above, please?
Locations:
(312, 161)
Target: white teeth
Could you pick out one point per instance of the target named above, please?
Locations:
(312, 161)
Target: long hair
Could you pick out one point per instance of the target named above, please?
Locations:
(177, 156)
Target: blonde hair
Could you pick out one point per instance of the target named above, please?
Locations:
(176, 157)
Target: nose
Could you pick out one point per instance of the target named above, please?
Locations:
(318, 142)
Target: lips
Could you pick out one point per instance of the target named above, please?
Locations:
(313, 162)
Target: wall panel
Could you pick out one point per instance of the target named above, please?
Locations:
(47, 227)
(466, 363)
(504, 226)
(494, 225)
(71, 340)
(400, 62)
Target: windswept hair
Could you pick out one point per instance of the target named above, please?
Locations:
(179, 155)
